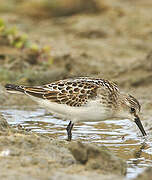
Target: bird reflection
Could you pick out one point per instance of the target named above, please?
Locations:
(138, 153)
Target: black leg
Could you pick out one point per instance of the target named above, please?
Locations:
(69, 129)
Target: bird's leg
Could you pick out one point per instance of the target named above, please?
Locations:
(69, 129)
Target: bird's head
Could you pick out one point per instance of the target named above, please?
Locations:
(129, 108)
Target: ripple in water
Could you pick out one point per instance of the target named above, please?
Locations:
(118, 135)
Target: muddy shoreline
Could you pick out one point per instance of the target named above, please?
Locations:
(25, 154)
(29, 155)
(106, 39)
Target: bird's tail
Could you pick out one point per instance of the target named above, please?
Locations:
(12, 88)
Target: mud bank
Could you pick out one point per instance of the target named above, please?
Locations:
(28, 155)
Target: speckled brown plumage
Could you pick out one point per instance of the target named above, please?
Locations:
(83, 99)
(73, 92)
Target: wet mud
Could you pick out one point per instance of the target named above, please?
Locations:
(28, 155)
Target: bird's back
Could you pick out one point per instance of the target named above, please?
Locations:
(72, 92)
(77, 98)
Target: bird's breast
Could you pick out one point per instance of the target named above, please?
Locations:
(92, 111)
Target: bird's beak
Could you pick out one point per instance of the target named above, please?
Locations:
(140, 126)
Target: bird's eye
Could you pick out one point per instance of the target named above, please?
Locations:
(132, 110)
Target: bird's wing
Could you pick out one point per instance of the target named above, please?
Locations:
(73, 92)
(70, 93)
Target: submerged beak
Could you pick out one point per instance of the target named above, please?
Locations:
(140, 126)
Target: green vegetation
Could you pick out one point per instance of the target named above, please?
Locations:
(11, 36)
(23, 55)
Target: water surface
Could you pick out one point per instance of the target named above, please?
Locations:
(121, 136)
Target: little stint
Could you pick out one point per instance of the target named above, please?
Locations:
(83, 99)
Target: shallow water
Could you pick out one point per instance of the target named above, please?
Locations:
(121, 136)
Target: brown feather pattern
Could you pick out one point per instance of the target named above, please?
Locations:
(73, 92)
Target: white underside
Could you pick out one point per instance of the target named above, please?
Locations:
(93, 111)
